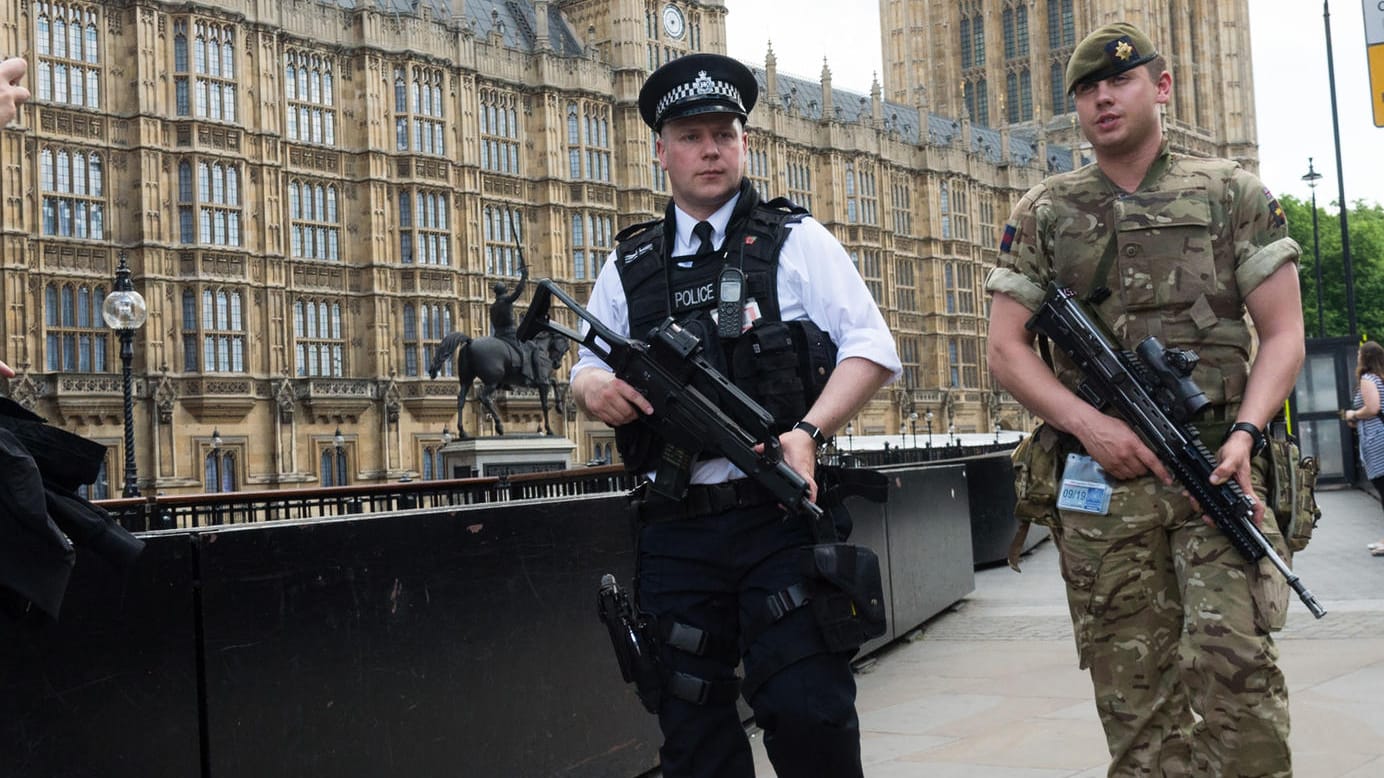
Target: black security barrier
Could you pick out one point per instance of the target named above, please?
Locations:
(443, 641)
(112, 688)
(993, 525)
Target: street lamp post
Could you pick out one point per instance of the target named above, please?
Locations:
(216, 441)
(928, 418)
(850, 431)
(125, 311)
(903, 430)
(339, 441)
(1312, 178)
(913, 424)
(951, 433)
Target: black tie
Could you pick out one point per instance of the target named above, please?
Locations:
(703, 231)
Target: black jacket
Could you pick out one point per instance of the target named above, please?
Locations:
(41, 514)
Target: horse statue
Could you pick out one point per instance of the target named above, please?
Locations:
(499, 365)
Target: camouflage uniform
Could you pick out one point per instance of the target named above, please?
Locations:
(1170, 619)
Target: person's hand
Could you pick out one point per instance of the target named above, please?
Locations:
(800, 453)
(1233, 462)
(610, 399)
(12, 95)
(5, 370)
(1119, 451)
(1348, 416)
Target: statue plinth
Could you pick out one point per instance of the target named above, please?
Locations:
(506, 455)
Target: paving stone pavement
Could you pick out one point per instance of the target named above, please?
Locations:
(991, 689)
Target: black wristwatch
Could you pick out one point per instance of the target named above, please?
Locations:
(813, 431)
(1255, 433)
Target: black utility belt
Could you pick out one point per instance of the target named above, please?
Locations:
(700, 500)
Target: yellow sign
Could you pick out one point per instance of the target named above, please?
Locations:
(1376, 58)
(1374, 51)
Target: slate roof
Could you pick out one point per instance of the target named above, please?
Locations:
(804, 97)
(516, 21)
(515, 18)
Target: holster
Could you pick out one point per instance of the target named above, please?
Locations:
(849, 603)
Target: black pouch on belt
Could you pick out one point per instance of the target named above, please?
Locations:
(849, 604)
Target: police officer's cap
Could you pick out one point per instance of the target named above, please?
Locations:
(1107, 52)
(697, 84)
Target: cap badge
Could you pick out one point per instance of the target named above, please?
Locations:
(703, 84)
(1123, 50)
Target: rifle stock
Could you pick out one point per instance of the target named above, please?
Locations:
(1158, 403)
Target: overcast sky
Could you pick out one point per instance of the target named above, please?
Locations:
(1292, 99)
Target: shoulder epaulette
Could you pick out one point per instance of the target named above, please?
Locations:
(636, 229)
(785, 205)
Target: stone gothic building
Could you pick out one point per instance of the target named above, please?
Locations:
(1001, 62)
(312, 193)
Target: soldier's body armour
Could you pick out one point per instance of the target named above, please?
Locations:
(1173, 274)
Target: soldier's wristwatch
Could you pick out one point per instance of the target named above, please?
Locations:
(813, 431)
(1259, 441)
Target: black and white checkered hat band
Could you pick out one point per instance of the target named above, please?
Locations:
(701, 86)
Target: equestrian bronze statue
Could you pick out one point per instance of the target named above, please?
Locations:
(500, 365)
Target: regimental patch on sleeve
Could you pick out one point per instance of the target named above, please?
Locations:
(1008, 238)
(1276, 216)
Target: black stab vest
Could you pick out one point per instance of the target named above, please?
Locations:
(656, 287)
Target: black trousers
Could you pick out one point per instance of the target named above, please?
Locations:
(715, 573)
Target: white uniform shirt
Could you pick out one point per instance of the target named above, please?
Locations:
(816, 280)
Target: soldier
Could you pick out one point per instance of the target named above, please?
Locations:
(1172, 622)
(766, 288)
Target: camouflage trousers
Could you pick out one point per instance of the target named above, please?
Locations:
(1175, 626)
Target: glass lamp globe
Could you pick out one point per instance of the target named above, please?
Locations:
(124, 309)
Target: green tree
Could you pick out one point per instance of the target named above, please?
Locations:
(1366, 223)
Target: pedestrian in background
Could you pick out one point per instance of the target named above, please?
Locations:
(1364, 416)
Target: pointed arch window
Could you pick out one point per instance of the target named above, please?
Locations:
(309, 97)
(318, 339)
(76, 338)
(72, 182)
(67, 48)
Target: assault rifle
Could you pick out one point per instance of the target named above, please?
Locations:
(696, 408)
(1151, 390)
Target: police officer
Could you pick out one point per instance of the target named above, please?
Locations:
(1172, 622)
(709, 564)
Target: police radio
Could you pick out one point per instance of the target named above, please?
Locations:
(730, 307)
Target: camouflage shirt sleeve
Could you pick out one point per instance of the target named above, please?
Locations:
(1261, 237)
(1025, 267)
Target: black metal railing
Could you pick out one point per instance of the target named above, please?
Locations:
(903, 456)
(182, 512)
